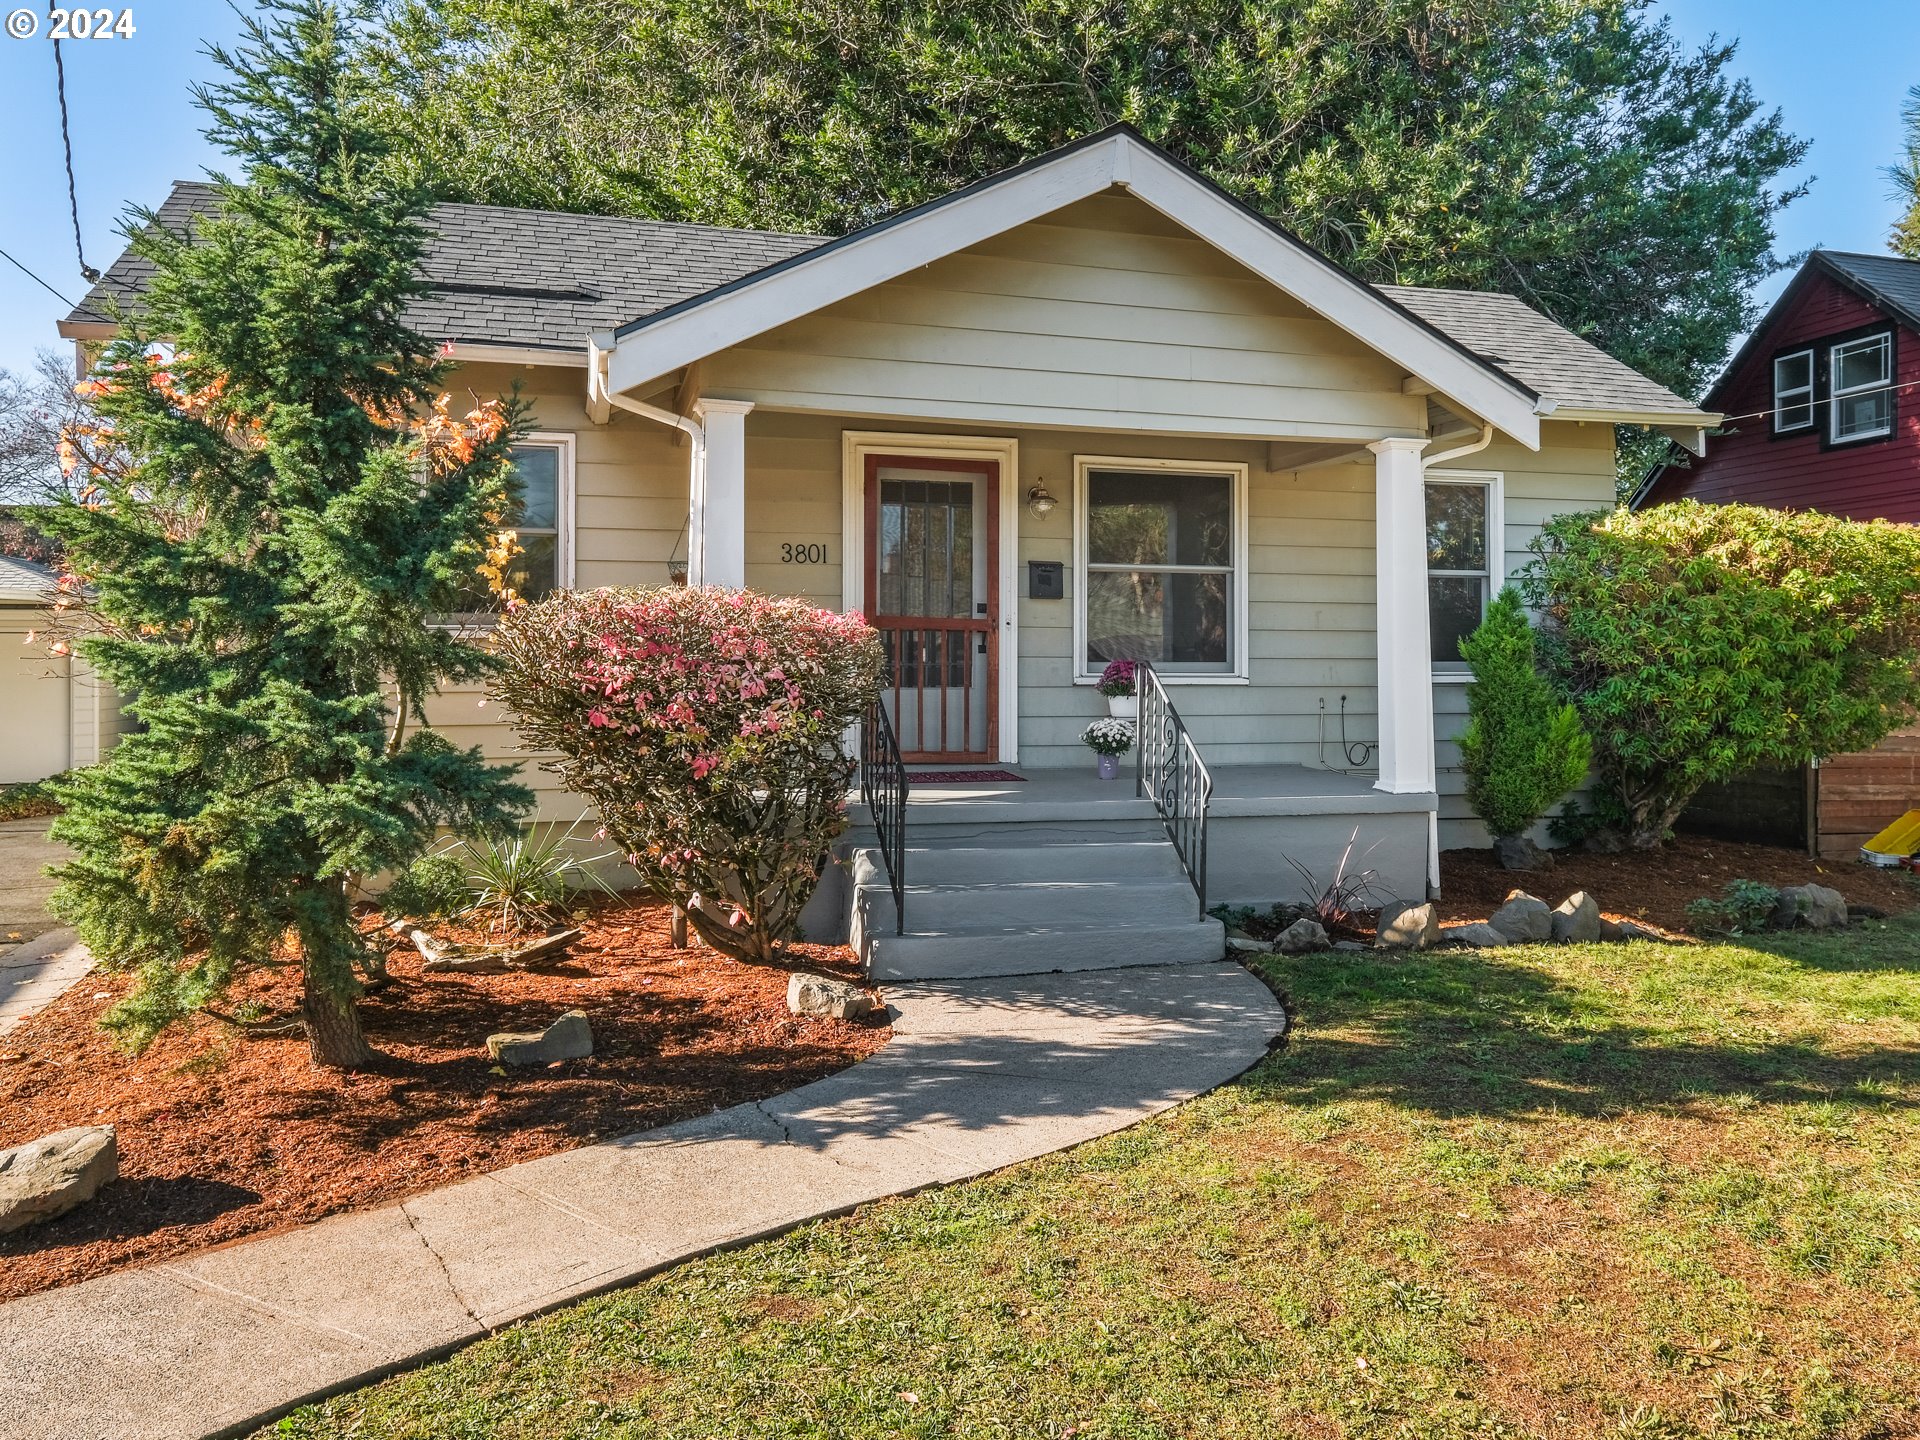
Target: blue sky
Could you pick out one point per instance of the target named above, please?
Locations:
(1838, 72)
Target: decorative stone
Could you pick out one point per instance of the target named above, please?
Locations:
(1300, 938)
(1814, 906)
(1523, 918)
(51, 1175)
(1242, 943)
(1348, 945)
(1627, 930)
(1478, 934)
(568, 1038)
(809, 994)
(1576, 920)
(1411, 927)
(1517, 852)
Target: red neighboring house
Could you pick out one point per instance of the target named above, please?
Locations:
(1820, 416)
(1823, 413)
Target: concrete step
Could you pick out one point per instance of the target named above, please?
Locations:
(1073, 904)
(1144, 860)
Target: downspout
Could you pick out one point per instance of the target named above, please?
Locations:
(600, 402)
(1486, 439)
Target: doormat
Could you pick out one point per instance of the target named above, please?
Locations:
(961, 777)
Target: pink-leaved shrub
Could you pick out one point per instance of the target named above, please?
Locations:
(705, 726)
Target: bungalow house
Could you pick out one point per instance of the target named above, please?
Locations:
(1089, 408)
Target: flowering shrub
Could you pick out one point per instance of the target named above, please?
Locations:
(1108, 737)
(1117, 679)
(705, 726)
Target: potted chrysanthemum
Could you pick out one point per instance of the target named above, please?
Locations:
(1119, 683)
(1109, 739)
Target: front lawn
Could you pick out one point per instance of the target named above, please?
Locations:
(1635, 1191)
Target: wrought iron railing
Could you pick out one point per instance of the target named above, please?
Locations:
(1173, 776)
(883, 786)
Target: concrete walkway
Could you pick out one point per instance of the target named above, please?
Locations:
(34, 975)
(25, 853)
(979, 1075)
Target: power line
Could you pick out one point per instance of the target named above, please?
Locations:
(36, 279)
(66, 141)
(1814, 405)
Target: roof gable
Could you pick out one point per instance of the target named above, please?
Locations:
(647, 348)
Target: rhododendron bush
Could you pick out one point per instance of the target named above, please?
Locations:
(706, 727)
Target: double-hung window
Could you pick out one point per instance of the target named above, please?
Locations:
(1464, 545)
(1793, 392)
(543, 466)
(1162, 549)
(1861, 388)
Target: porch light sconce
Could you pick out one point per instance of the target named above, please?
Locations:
(1040, 500)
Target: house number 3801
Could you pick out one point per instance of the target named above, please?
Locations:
(803, 554)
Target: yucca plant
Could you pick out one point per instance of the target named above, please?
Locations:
(518, 880)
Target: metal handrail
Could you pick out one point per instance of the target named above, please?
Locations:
(883, 786)
(1171, 773)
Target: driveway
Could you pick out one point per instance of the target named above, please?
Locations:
(25, 853)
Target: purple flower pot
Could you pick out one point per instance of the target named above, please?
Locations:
(1109, 767)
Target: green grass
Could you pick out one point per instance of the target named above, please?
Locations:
(1636, 1191)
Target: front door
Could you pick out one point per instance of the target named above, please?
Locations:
(933, 593)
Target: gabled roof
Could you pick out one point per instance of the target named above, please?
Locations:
(539, 283)
(1584, 380)
(529, 279)
(26, 582)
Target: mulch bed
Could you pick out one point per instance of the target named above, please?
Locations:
(1654, 888)
(223, 1136)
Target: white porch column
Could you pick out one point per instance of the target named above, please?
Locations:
(717, 517)
(1406, 652)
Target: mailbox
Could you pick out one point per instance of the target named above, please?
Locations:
(1046, 580)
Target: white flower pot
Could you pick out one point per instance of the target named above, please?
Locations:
(1109, 767)
(1123, 707)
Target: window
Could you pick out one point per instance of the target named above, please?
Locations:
(1162, 566)
(1793, 392)
(1464, 529)
(1860, 380)
(544, 467)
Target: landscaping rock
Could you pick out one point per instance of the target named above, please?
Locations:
(1242, 943)
(1627, 930)
(568, 1038)
(1300, 938)
(1348, 945)
(1517, 852)
(1576, 920)
(1478, 934)
(51, 1175)
(817, 995)
(1609, 930)
(1412, 927)
(1523, 918)
(1814, 906)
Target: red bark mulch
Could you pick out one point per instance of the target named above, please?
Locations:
(1654, 887)
(222, 1136)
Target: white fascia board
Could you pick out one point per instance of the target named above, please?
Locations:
(1332, 294)
(1688, 418)
(86, 330)
(859, 264)
(472, 352)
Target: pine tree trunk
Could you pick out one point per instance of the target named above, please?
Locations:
(334, 1036)
(329, 947)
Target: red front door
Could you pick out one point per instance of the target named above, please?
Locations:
(932, 582)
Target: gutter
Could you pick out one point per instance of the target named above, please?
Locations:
(601, 402)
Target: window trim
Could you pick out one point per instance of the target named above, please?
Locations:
(563, 516)
(1835, 395)
(1457, 672)
(1236, 471)
(1812, 390)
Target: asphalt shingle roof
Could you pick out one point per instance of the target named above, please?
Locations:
(1536, 351)
(539, 278)
(26, 580)
(547, 279)
(1893, 282)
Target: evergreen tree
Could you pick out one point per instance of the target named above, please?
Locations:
(275, 505)
(1523, 748)
(1905, 174)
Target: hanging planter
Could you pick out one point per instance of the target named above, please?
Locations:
(1109, 739)
(1117, 683)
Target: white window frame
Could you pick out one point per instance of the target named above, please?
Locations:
(1781, 398)
(1495, 484)
(1835, 394)
(563, 516)
(1083, 466)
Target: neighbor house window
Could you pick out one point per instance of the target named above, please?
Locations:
(1162, 566)
(1463, 558)
(1860, 385)
(1793, 391)
(544, 468)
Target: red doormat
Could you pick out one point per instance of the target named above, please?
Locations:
(961, 777)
